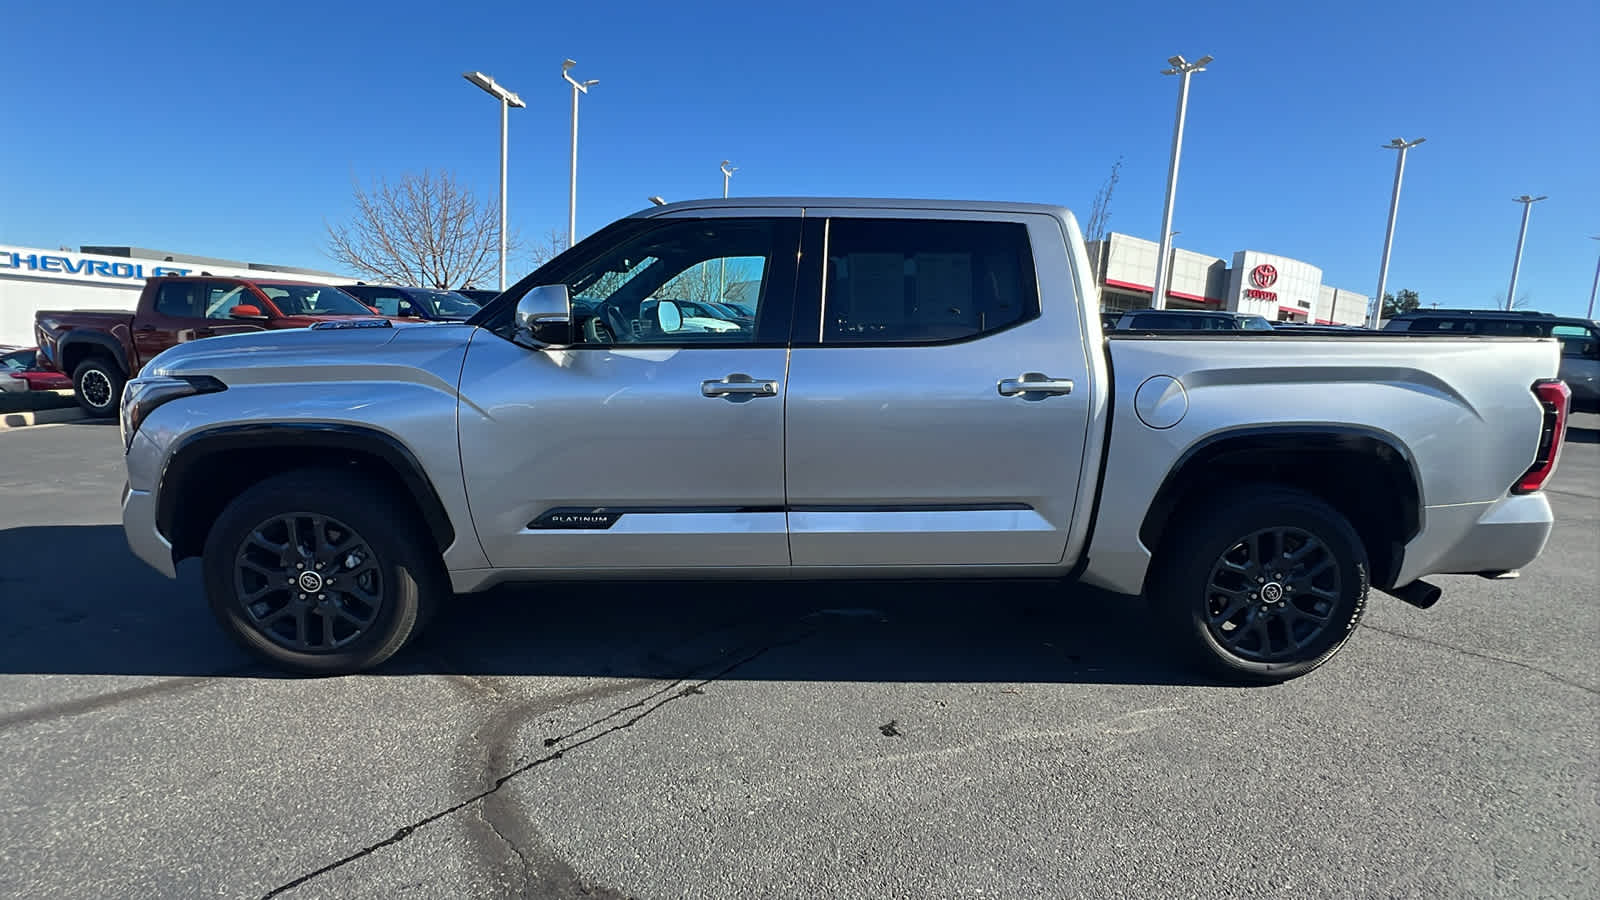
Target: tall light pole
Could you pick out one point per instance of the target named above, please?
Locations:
(722, 269)
(1375, 311)
(507, 100)
(1516, 264)
(578, 87)
(1596, 286)
(1182, 68)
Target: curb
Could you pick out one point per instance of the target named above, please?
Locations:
(40, 417)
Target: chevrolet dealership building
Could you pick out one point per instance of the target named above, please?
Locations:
(1277, 287)
(108, 278)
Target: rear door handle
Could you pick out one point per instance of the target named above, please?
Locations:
(1034, 383)
(739, 385)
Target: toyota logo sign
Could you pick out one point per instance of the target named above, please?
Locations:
(1264, 275)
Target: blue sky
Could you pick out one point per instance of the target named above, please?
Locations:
(236, 132)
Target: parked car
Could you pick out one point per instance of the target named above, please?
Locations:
(1190, 320)
(477, 296)
(100, 350)
(1580, 340)
(20, 372)
(921, 400)
(414, 302)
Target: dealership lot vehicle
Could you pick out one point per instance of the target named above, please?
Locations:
(1580, 340)
(413, 302)
(100, 350)
(20, 372)
(1190, 320)
(923, 395)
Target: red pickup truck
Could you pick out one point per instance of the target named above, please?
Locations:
(101, 350)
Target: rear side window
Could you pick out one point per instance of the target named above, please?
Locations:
(181, 300)
(1577, 341)
(918, 281)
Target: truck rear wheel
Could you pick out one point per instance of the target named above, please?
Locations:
(321, 572)
(97, 384)
(1264, 588)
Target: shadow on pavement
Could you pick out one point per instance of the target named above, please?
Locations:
(1578, 434)
(77, 601)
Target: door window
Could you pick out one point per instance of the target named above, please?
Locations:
(919, 281)
(1576, 341)
(181, 300)
(222, 298)
(715, 272)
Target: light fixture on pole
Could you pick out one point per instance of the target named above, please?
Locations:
(1516, 264)
(1182, 68)
(657, 200)
(1375, 311)
(1596, 286)
(722, 268)
(727, 173)
(507, 100)
(578, 87)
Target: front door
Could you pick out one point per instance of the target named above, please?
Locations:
(653, 441)
(188, 310)
(931, 417)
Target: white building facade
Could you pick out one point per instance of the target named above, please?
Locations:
(110, 278)
(1277, 287)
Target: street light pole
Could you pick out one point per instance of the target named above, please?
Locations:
(1527, 207)
(507, 100)
(1183, 69)
(1596, 286)
(1375, 311)
(578, 87)
(722, 268)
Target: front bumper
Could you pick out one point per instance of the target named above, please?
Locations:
(1499, 536)
(144, 539)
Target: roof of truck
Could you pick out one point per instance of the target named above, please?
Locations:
(1006, 206)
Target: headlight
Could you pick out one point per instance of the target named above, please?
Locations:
(142, 396)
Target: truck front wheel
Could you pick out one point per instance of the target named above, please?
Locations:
(321, 572)
(1263, 585)
(97, 383)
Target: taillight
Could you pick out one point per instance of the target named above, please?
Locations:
(1554, 396)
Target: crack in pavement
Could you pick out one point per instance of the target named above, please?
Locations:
(1485, 655)
(677, 689)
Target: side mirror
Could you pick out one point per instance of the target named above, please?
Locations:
(669, 316)
(544, 317)
(246, 311)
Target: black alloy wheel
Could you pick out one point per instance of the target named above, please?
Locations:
(324, 571)
(1272, 594)
(308, 582)
(1262, 583)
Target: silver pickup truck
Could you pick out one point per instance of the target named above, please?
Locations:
(902, 389)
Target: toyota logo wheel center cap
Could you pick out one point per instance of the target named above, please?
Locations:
(310, 581)
(1272, 592)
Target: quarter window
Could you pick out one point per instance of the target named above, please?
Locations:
(180, 300)
(917, 281)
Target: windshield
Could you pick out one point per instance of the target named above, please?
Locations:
(313, 300)
(444, 304)
(19, 361)
(1255, 323)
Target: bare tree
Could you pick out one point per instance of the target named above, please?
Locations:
(1500, 301)
(1098, 224)
(427, 230)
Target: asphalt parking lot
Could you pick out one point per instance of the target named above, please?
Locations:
(736, 740)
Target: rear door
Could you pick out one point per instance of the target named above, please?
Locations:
(937, 410)
(642, 445)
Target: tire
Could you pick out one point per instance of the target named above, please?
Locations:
(395, 576)
(104, 384)
(1290, 617)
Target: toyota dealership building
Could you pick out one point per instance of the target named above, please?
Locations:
(1277, 287)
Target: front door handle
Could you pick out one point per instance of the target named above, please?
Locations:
(739, 385)
(1034, 383)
